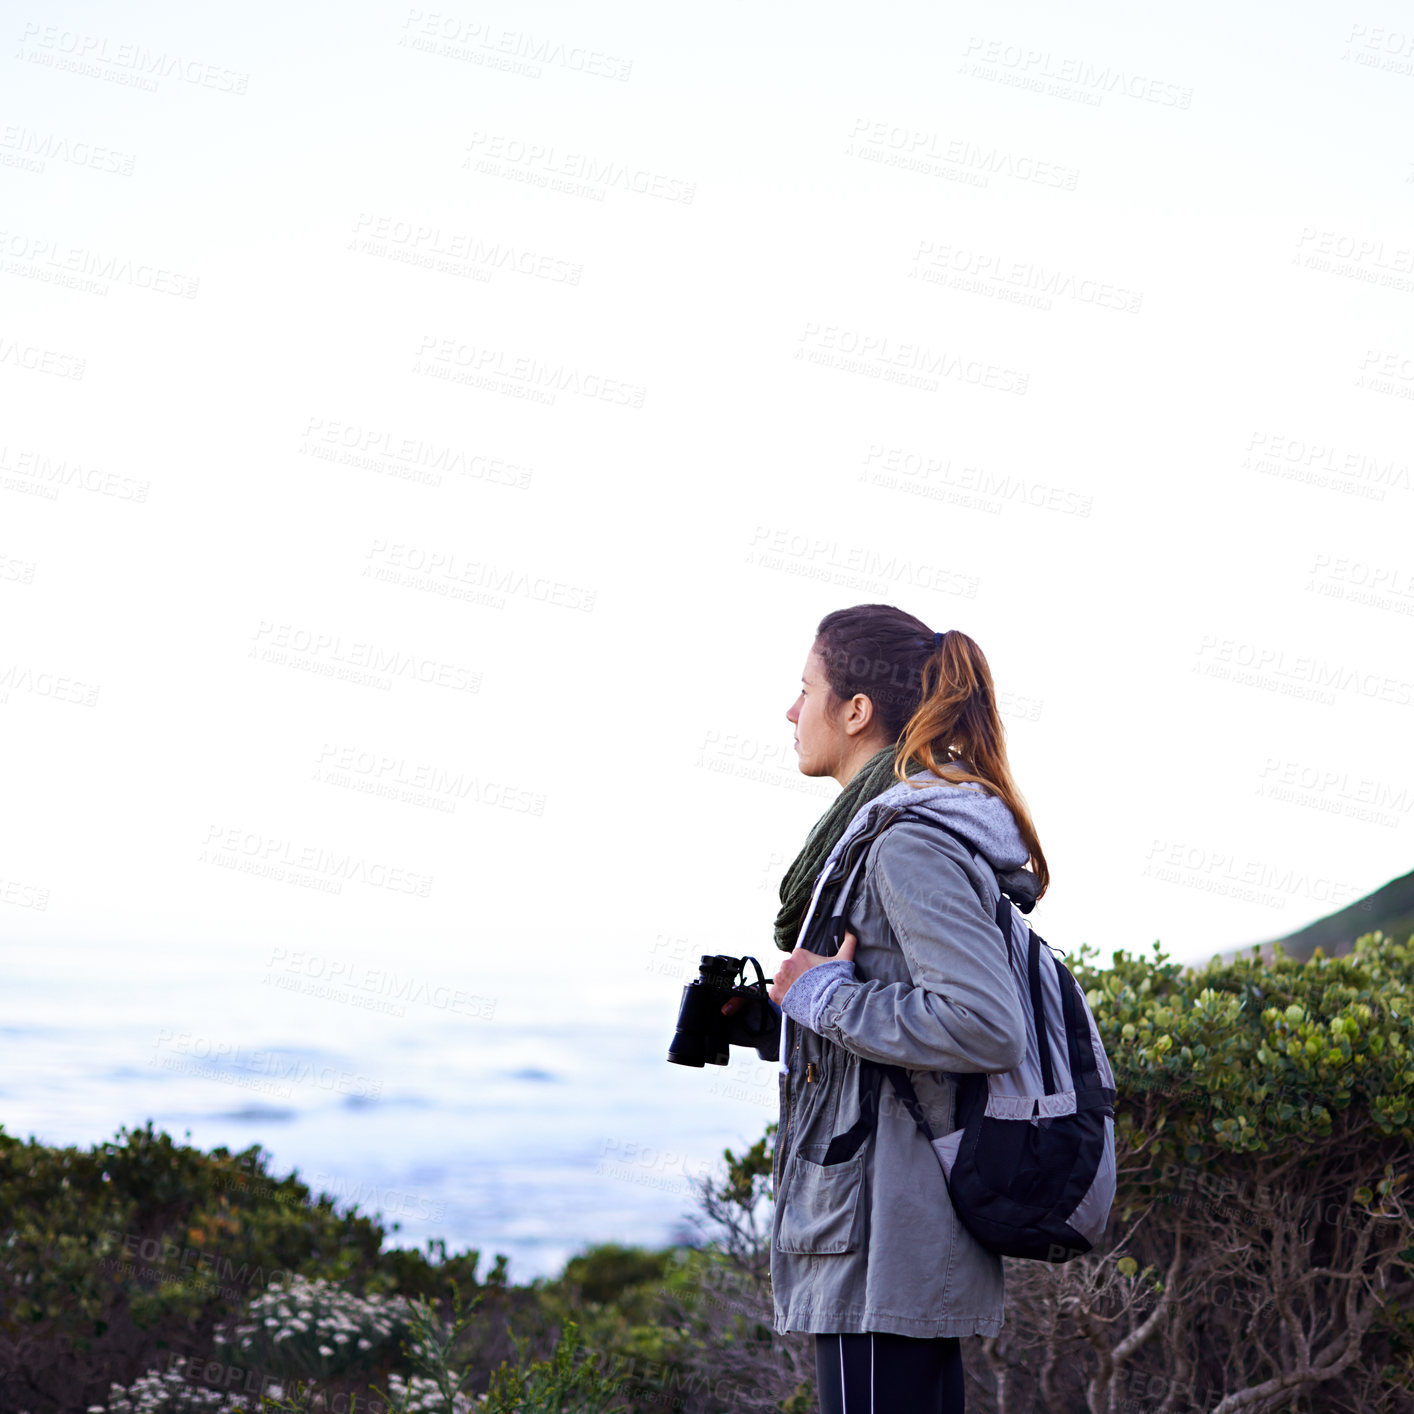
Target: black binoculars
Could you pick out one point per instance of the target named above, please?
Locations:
(704, 1036)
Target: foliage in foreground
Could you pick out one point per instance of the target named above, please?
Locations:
(141, 1251)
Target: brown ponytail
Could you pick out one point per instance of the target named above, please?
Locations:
(938, 705)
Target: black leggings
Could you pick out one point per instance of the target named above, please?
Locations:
(876, 1372)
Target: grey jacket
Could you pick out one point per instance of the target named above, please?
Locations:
(873, 1244)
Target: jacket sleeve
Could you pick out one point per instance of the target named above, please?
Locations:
(961, 1013)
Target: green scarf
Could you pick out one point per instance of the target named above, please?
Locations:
(873, 778)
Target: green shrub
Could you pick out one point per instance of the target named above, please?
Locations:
(615, 1296)
(569, 1382)
(1258, 1054)
(439, 1387)
(118, 1260)
(610, 1272)
(1261, 1250)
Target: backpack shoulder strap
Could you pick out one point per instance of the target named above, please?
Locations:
(848, 867)
(846, 1144)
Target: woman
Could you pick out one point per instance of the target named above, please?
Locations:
(868, 1254)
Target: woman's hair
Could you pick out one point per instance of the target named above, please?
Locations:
(937, 705)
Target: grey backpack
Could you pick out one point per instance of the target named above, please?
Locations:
(1030, 1167)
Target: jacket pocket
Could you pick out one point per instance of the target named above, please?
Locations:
(821, 1212)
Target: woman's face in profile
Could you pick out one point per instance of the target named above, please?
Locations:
(818, 740)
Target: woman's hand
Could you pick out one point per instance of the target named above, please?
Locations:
(802, 961)
(799, 961)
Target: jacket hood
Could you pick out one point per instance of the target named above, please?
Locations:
(984, 821)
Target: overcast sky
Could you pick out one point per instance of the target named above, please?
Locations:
(431, 438)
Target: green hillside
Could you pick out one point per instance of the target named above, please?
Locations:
(1390, 908)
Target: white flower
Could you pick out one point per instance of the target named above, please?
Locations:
(326, 1350)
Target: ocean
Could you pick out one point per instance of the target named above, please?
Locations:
(531, 1117)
